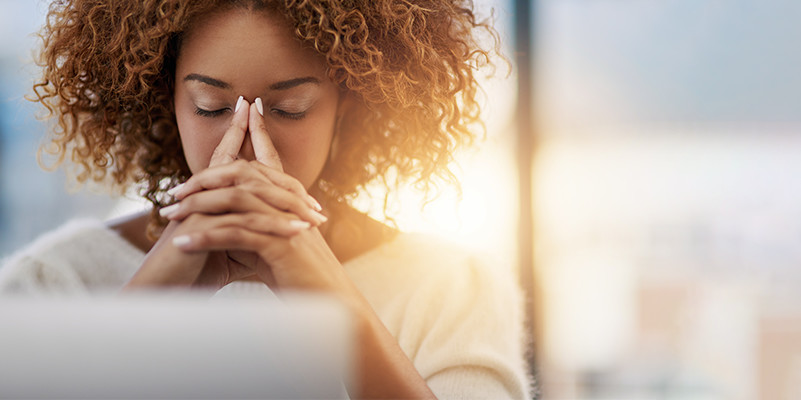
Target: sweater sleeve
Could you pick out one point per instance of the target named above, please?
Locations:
(32, 276)
(81, 257)
(473, 340)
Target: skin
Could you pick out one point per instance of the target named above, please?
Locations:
(299, 114)
(245, 213)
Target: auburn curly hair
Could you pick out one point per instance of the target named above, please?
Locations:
(108, 71)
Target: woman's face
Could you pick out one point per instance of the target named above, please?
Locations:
(254, 54)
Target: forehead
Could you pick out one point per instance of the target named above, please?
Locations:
(246, 48)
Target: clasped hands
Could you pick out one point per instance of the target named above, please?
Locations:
(238, 219)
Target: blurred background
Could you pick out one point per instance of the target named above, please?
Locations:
(666, 203)
(652, 214)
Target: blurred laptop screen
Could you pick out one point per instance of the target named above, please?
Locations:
(173, 347)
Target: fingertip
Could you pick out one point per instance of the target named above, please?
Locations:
(180, 195)
(182, 242)
(241, 111)
(317, 217)
(176, 191)
(299, 225)
(315, 205)
(259, 106)
(169, 211)
(256, 113)
(242, 105)
(262, 143)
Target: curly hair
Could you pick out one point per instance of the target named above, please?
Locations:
(108, 71)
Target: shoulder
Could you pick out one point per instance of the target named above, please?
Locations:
(417, 251)
(420, 259)
(451, 286)
(80, 255)
(455, 312)
(454, 278)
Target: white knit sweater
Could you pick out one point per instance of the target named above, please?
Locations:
(458, 321)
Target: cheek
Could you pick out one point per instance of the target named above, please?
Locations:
(304, 148)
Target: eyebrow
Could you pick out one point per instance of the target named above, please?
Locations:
(288, 84)
(283, 85)
(208, 80)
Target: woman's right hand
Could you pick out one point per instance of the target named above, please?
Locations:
(166, 265)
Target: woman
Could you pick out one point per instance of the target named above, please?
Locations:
(272, 115)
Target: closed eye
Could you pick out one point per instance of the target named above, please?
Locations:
(289, 115)
(210, 113)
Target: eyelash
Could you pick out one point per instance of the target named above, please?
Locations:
(209, 114)
(281, 113)
(289, 115)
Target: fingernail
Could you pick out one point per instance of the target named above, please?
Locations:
(169, 210)
(315, 204)
(299, 224)
(259, 106)
(181, 241)
(319, 217)
(238, 103)
(175, 190)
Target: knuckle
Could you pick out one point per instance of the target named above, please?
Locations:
(296, 186)
(240, 123)
(189, 205)
(263, 191)
(275, 160)
(253, 220)
(237, 124)
(241, 165)
(193, 219)
(250, 187)
(232, 169)
(236, 235)
(220, 154)
(297, 204)
(202, 238)
(236, 196)
(273, 222)
(188, 202)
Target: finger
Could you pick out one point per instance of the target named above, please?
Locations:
(218, 201)
(262, 144)
(266, 224)
(265, 274)
(224, 238)
(163, 265)
(290, 202)
(228, 149)
(264, 198)
(230, 174)
(241, 172)
(289, 183)
(213, 278)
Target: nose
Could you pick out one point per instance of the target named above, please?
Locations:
(246, 152)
